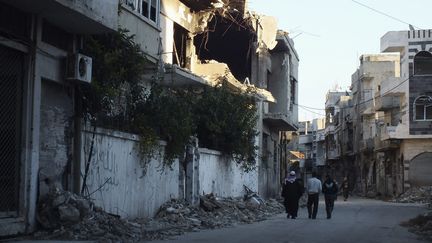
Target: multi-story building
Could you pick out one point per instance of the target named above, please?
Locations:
(311, 143)
(339, 134)
(185, 42)
(406, 105)
(366, 82)
(37, 98)
(389, 118)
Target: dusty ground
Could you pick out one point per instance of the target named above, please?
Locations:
(357, 220)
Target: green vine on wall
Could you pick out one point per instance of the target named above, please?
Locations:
(119, 98)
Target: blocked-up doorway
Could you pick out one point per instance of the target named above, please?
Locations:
(420, 170)
(11, 76)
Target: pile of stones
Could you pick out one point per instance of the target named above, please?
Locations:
(415, 195)
(176, 217)
(65, 216)
(421, 225)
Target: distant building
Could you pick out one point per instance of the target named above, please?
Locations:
(387, 117)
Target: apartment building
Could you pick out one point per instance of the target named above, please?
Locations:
(389, 116)
(186, 43)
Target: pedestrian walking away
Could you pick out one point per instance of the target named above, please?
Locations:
(292, 190)
(314, 188)
(330, 190)
(345, 188)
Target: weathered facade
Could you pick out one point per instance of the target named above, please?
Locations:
(389, 116)
(44, 144)
(37, 122)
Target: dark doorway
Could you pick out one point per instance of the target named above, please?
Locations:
(11, 76)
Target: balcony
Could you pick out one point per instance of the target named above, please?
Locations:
(333, 154)
(305, 139)
(367, 145)
(280, 121)
(330, 129)
(388, 132)
(75, 16)
(385, 145)
(393, 87)
(384, 103)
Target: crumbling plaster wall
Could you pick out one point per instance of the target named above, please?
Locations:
(279, 82)
(120, 182)
(56, 138)
(222, 176)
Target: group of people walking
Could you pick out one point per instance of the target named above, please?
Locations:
(293, 189)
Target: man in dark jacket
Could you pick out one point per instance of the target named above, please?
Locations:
(292, 191)
(330, 190)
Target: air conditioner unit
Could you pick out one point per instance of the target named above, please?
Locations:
(79, 68)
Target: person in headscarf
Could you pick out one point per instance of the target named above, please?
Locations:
(292, 190)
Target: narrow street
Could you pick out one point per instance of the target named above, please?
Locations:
(357, 220)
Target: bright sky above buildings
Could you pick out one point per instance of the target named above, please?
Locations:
(331, 35)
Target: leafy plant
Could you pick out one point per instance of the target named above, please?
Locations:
(117, 98)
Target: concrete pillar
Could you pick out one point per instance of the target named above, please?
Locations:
(192, 172)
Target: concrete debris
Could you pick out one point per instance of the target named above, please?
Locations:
(66, 216)
(421, 225)
(60, 207)
(415, 195)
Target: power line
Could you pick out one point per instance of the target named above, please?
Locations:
(311, 111)
(363, 102)
(385, 14)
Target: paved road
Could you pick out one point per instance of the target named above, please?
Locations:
(357, 220)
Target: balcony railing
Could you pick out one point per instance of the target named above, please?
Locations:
(387, 132)
(333, 154)
(384, 145)
(383, 103)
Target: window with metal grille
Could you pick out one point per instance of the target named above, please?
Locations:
(423, 108)
(11, 70)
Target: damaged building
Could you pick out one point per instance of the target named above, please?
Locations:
(44, 144)
(388, 118)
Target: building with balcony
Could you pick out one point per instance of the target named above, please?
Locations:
(186, 43)
(311, 143)
(389, 114)
(339, 135)
(37, 98)
(368, 111)
(406, 127)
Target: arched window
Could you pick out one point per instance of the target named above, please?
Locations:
(423, 108)
(423, 63)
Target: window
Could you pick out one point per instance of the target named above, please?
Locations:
(293, 88)
(423, 108)
(147, 8)
(423, 63)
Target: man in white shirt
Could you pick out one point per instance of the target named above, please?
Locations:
(314, 188)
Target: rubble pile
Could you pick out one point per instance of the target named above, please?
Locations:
(421, 225)
(66, 216)
(63, 215)
(176, 217)
(415, 195)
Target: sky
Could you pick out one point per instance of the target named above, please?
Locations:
(331, 35)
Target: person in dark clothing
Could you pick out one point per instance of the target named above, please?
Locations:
(330, 190)
(291, 192)
(345, 188)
